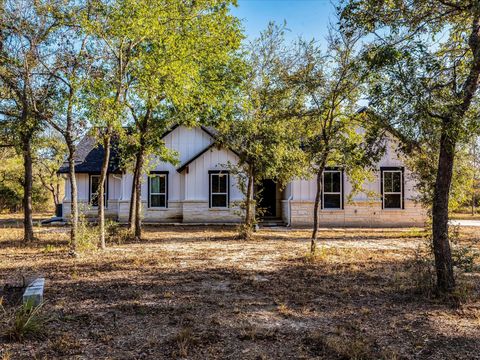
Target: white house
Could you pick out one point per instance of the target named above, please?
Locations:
(201, 189)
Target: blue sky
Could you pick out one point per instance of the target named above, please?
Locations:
(308, 18)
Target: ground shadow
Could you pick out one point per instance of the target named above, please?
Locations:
(156, 307)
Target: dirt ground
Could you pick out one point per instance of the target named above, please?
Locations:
(198, 293)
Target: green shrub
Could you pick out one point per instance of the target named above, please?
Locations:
(321, 254)
(116, 233)
(422, 273)
(49, 248)
(24, 321)
(87, 235)
(244, 232)
(464, 257)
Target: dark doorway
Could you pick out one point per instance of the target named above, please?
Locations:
(268, 198)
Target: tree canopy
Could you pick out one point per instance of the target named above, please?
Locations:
(424, 60)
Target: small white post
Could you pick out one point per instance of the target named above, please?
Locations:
(33, 294)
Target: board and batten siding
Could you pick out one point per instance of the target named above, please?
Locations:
(188, 191)
(187, 143)
(362, 209)
(83, 188)
(196, 202)
(196, 179)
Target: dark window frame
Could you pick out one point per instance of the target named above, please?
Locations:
(342, 188)
(90, 189)
(401, 170)
(154, 173)
(217, 172)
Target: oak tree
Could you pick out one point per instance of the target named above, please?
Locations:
(177, 73)
(263, 127)
(69, 64)
(424, 59)
(333, 130)
(26, 28)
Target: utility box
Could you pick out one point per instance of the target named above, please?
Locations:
(33, 294)
(59, 210)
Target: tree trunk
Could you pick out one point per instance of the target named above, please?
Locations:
(57, 191)
(73, 197)
(101, 188)
(316, 207)
(441, 244)
(138, 190)
(474, 152)
(249, 212)
(68, 134)
(473, 200)
(133, 201)
(27, 188)
(54, 195)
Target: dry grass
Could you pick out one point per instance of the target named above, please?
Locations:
(464, 217)
(16, 219)
(198, 293)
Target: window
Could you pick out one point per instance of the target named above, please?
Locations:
(157, 190)
(332, 189)
(392, 188)
(219, 189)
(94, 182)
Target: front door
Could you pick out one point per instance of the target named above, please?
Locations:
(268, 198)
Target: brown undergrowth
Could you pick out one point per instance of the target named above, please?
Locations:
(198, 293)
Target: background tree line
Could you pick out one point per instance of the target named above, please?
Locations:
(128, 70)
(122, 70)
